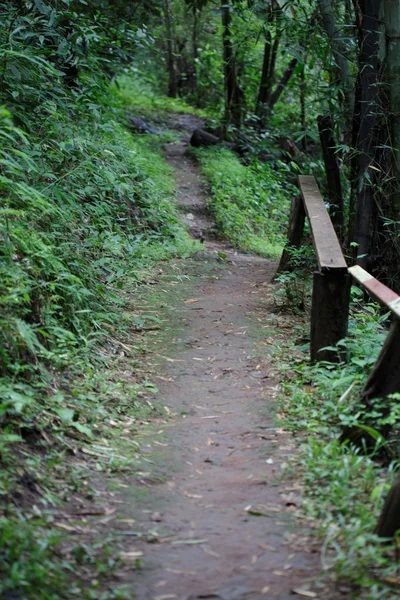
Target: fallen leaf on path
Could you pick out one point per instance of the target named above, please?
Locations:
(265, 589)
(188, 495)
(255, 513)
(181, 542)
(170, 359)
(191, 301)
(165, 597)
(160, 584)
(66, 527)
(304, 593)
(211, 552)
(280, 573)
(210, 417)
(177, 572)
(129, 521)
(131, 555)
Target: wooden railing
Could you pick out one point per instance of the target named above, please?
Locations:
(330, 312)
(331, 292)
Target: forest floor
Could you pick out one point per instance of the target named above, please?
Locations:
(218, 491)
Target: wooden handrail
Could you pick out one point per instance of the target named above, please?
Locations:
(330, 310)
(331, 288)
(327, 246)
(377, 290)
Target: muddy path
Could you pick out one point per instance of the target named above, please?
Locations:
(224, 506)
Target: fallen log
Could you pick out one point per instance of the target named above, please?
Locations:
(141, 126)
(203, 138)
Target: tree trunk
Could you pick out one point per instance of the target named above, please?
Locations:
(341, 63)
(328, 144)
(391, 21)
(303, 108)
(364, 147)
(172, 84)
(195, 47)
(233, 92)
(265, 83)
(283, 82)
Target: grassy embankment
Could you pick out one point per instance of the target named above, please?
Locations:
(87, 212)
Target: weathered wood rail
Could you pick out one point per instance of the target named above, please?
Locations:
(331, 286)
(330, 312)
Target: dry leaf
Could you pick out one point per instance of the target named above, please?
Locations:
(191, 495)
(265, 589)
(180, 542)
(304, 593)
(191, 301)
(66, 527)
(131, 555)
(160, 584)
(211, 552)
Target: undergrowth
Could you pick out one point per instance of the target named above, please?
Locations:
(345, 484)
(86, 212)
(136, 94)
(250, 204)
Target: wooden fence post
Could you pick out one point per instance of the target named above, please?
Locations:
(384, 378)
(329, 313)
(295, 232)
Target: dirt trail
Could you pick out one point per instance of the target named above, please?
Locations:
(225, 514)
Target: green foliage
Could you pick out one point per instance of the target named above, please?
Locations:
(86, 211)
(345, 488)
(135, 93)
(249, 203)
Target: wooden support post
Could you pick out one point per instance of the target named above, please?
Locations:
(384, 378)
(389, 520)
(329, 313)
(295, 232)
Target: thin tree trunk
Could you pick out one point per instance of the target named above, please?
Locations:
(172, 83)
(341, 66)
(303, 107)
(233, 93)
(365, 140)
(265, 84)
(289, 70)
(392, 30)
(283, 82)
(325, 126)
(195, 47)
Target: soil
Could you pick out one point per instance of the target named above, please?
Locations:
(225, 505)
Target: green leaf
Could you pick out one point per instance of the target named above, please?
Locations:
(66, 414)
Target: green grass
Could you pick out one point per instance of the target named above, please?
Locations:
(250, 204)
(136, 93)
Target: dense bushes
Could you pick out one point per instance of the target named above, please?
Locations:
(249, 203)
